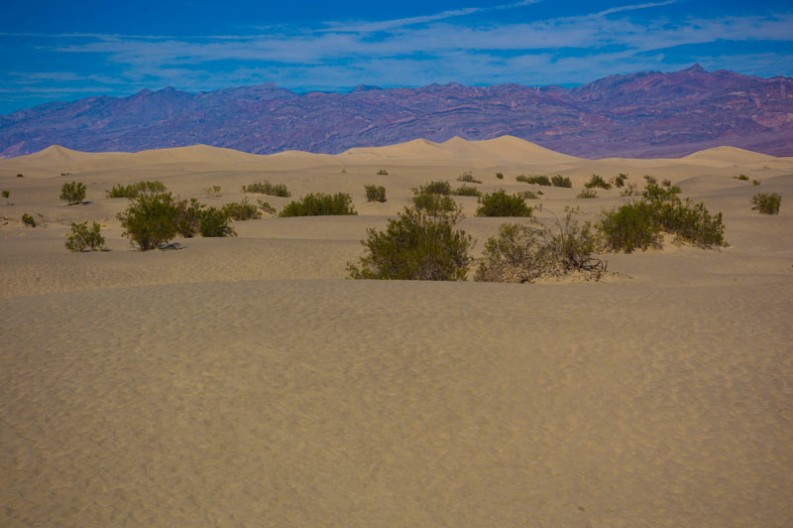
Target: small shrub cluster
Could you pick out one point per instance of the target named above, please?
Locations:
(742, 177)
(266, 207)
(241, 211)
(500, 175)
(619, 181)
(597, 182)
(468, 177)
(767, 203)
(529, 195)
(134, 189)
(561, 181)
(382, 172)
(265, 187)
(375, 193)
(587, 193)
(526, 253)
(466, 190)
(536, 180)
(214, 222)
(84, 238)
(320, 204)
(7, 196)
(434, 198)
(28, 220)
(417, 245)
(500, 203)
(213, 191)
(73, 192)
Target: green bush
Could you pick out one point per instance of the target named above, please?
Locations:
(134, 189)
(597, 182)
(375, 193)
(279, 189)
(742, 177)
(587, 193)
(7, 196)
(434, 187)
(654, 193)
(619, 181)
(650, 179)
(767, 203)
(434, 204)
(630, 227)
(150, 220)
(755, 182)
(382, 172)
(500, 203)
(537, 180)
(83, 238)
(29, 220)
(320, 204)
(73, 192)
(629, 190)
(468, 177)
(416, 246)
(266, 207)
(466, 190)
(500, 175)
(241, 210)
(525, 253)
(214, 222)
(188, 217)
(561, 181)
(529, 195)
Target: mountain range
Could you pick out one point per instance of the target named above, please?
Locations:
(650, 114)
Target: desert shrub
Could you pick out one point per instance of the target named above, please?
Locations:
(666, 183)
(650, 179)
(7, 196)
(73, 192)
(500, 175)
(241, 210)
(214, 222)
(434, 187)
(29, 220)
(20, 175)
(134, 189)
(525, 253)
(619, 181)
(382, 172)
(629, 190)
(266, 207)
(375, 193)
(597, 182)
(466, 190)
(587, 193)
(500, 203)
(213, 190)
(265, 187)
(537, 180)
(150, 220)
(742, 177)
(561, 181)
(416, 246)
(691, 222)
(755, 182)
(434, 204)
(767, 203)
(629, 227)
(188, 217)
(468, 177)
(320, 204)
(529, 195)
(655, 193)
(84, 238)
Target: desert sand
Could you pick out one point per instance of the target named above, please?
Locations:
(245, 382)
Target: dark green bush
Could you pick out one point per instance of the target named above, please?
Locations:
(83, 238)
(500, 175)
(279, 189)
(416, 246)
(214, 222)
(561, 181)
(188, 217)
(134, 189)
(375, 193)
(150, 220)
(382, 172)
(587, 193)
(434, 187)
(241, 210)
(29, 220)
(500, 203)
(630, 227)
(767, 203)
(597, 182)
(73, 192)
(320, 204)
(742, 177)
(466, 190)
(619, 181)
(654, 193)
(434, 204)
(468, 177)
(537, 180)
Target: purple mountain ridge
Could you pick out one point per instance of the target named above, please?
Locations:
(642, 115)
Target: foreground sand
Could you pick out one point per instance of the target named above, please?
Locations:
(243, 382)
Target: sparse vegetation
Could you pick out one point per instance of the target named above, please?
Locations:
(265, 187)
(213, 191)
(20, 175)
(629, 190)
(767, 203)
(28, 220)
(382, 172)
(241, 211)
(561, 181)
(73, 192)
(7, 196)
(416, 246)
(434, 187)
(535, 180)
(434, 198)
(320, 204)
(597, 182)
(188, 217)
(529, 195)
(468, 177)
(466, 190)
(500, 203)
(500, 175)
(84, 238)
(375, 193)
(214, 222)
(134, 189)
(266, 207)
(150, 220)
(742, 177)
(587, 193)
(619, 181)
(630, 227)
(650, 179)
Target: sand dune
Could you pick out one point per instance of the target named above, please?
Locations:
(244, 382)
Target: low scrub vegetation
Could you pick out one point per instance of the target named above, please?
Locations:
(466, 190)
(500, 175)
(265, 187)
(375, 193)
(241, 211)
(28, 220)
(434, 198)
(561, 181)
(7, 196)
(73, 192)
(84, 238)
(213, 191)
(214, 222)
(320, 204)
(528, 252)
(597, 182)
(134, 189)
(266, 207)
(500, 203)
(767, 203)
(468, 177)
(587, 193)
(382, 172)
(417, 245)
(535, 180)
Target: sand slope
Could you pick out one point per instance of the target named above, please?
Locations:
(244, 382)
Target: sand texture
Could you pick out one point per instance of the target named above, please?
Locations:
(244, 382)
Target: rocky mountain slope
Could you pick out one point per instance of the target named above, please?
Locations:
(648, 114)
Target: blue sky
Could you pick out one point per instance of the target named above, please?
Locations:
(65, 50)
